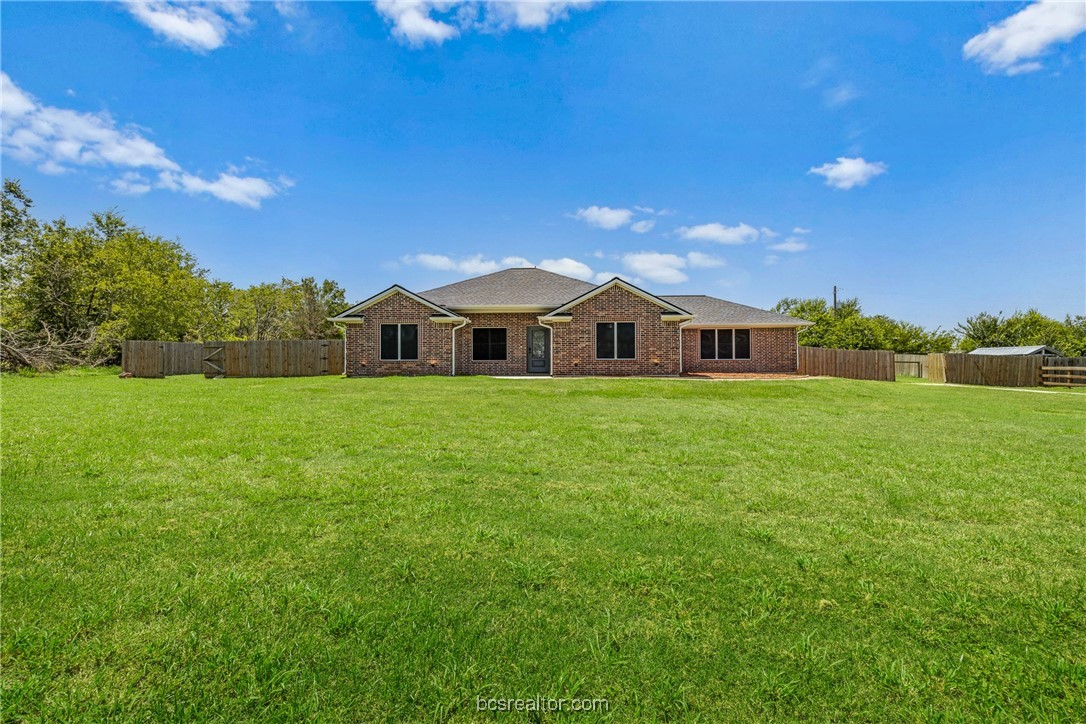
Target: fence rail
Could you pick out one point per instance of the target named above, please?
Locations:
(1063, 376)
(854, 364)
(911, 365)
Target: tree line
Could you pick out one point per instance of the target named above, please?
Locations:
(848, 327)
(71, 294)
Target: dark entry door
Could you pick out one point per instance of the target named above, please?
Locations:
(539, 351)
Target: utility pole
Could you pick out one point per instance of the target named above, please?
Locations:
(835, 300)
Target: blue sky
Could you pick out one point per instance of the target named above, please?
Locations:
(927, 158)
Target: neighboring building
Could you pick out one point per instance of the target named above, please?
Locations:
(530, 321)
(1040, 349)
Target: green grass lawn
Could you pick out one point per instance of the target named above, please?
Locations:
(394, 548)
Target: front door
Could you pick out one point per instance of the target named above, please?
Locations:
(539, 351)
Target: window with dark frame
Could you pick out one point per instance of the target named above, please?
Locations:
(489, 344)
(725, 344)
(399, 342)
(616, 340)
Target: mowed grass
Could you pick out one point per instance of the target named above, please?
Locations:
(393, 549)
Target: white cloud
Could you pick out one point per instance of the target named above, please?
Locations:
(604, 217)
(645, 209)
(792, 244)
(840, 94)
(642, 227)
(198, 26)
(131, 183)
(1014, 45)
(58, 140)
(568, 267)
(768, 233)
(412, 24)
(717, 232)
(698, 260)
(475, 264)
(657, 267)
(417, 22)
(849, 172)
(801, 230)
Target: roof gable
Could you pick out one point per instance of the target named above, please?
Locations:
(353, 312)
(666, 306)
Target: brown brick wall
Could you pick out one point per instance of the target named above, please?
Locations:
(657, 341)
(771, 350)
(516, 362)
(363, 344)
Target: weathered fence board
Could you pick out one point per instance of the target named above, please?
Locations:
(995, 370)
(143, 358)
(911, 365)
(151, 358)
(936, 367)
(274, 358)
(854, 364)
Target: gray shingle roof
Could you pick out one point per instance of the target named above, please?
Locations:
(713, 311)
(1004, 351)
(510, 287)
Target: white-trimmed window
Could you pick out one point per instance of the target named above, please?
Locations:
(399, 342)
(725, 344)
(616, 340)
(489, 344)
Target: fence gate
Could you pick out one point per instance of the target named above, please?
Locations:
(214, 359)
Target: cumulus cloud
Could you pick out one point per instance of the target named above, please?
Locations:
(1015, 45)
(665, 268)
(698, 260)
(604, 217)
(642, 227)
(198, 26)
(651, 265)
(475, 264)
(846, 173)
(656, 267)
(719, 233)
(801, 230)
(58, 140)
(418, 22)
(568, 267)
(792, 244)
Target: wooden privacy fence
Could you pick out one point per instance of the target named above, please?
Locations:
(144, 358)
(855, 364)
(274, 358)
(911, 365)
(1006, 370)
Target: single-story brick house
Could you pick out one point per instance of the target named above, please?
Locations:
(531, 321)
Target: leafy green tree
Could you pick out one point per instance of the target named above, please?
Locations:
(848, 328)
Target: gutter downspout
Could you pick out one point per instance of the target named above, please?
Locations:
(462, 324)
(550, 362)
(343, 328)
(682, 325)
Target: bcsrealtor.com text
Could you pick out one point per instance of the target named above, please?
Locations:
(541, 703)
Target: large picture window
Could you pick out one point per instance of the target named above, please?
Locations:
(616, 340)
(399, 342)
(725, 344)
(489, 343)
